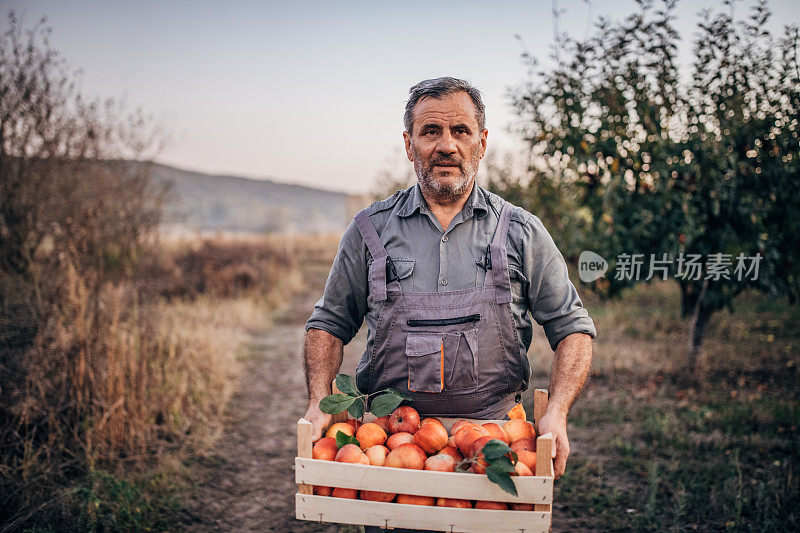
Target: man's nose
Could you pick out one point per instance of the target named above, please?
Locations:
(446, 145)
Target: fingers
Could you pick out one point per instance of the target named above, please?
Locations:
(561, 450)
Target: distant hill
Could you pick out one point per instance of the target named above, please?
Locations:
(210, 203)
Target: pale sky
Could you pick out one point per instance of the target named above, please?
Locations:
(311, 92)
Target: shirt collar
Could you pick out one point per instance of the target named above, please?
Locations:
(475, 205)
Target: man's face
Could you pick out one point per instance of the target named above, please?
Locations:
(446, 145)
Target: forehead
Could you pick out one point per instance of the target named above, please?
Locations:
(455, 108)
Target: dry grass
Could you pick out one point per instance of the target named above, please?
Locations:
(127, 375)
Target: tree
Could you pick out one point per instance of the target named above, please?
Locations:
(699, 173)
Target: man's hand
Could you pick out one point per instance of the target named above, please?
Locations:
(556, 424)
(318, 419)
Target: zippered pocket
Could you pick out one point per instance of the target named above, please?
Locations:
(428, 322)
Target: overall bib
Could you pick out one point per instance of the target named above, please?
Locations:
(456, 353)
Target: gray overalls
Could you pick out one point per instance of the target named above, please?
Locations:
(457, 353)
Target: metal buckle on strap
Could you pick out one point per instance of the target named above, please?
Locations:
(488, 257)
(391, 271)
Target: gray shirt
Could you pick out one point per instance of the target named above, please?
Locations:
(428, 259)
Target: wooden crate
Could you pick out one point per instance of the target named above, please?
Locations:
(536, 489)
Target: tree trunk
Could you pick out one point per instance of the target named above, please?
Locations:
(697, 361)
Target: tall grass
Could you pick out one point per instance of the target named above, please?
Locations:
(121, 373)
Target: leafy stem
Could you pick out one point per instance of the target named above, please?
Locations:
(350, 399)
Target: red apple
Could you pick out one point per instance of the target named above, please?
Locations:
(453, 452)
(370, 434)
(496, 431)
(376, 496)
(319, 490)
(383, 422)
(377, 455)
(406, 456)
(431, 437)
(467, 435)
(413, 499)
(499, 506)
(397, 439)
(452, 502)
(350, 453)
(350, 494)
(325, 449)
(404, 418)
(345, 428)
(440, 463)
(518, 429)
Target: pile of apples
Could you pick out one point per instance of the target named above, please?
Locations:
(402, 440)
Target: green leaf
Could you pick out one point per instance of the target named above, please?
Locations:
(494, 449)
(384, 404)
(502, 479)
(343, 438)
(335, 403)
(403, 395)
(503, 464)
(356, 410)
(347, 385)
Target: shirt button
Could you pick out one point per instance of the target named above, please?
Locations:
(445, 238)
(444, 281)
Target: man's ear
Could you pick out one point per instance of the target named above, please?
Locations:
(407, 142)
(484, 134)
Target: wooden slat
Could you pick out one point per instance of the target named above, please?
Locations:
(540, 398)
(467, 486)
(544, 464)
(304, 447)
(396, 515)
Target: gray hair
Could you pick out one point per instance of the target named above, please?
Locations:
(438, 88)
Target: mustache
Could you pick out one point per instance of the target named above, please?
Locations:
(446, 161)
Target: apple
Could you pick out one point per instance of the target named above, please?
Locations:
(432, 420)
(528, 458)
(452, 502)
(521, 506)
(496, 431)
(404, 418)
(518, 429)
(476, 453)
(431, 437)
(406, 456)
(383, 422)
(325, 449)
(370, 434)
(499, 506)
(523, 444)
(522, 469)
(440, 463)
(350, 453)
(345, 428)
(319, 490)
(353, 422)
(376, 496)
(413, 499)
(397, 439)
(457, 425)
(350, 494)
(377, 455)
(453, 452)
(466, 436)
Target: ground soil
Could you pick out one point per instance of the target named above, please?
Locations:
(247, 482)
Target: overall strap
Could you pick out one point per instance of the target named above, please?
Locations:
(377, 270)
(498, 274)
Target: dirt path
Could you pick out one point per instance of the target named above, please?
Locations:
(248, 484)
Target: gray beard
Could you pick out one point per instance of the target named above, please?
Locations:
(444, 193)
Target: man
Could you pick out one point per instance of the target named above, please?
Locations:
(445, 274)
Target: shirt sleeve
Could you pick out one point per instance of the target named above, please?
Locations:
(343, 305)
(552, 299)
